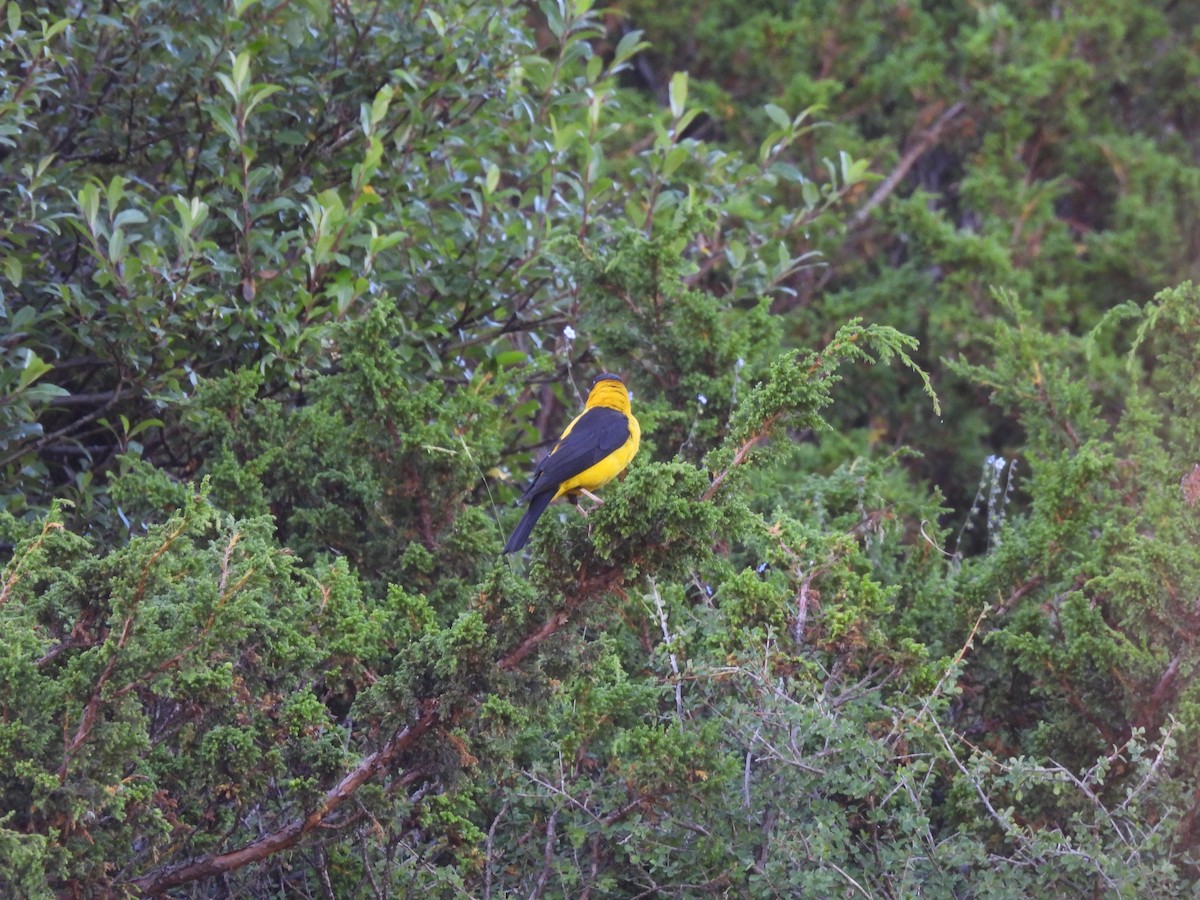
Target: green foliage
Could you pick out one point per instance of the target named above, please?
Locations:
(294, 296)
(1047, 155)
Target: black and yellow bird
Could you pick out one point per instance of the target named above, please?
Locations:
(593, 450)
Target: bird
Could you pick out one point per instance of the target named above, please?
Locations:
(593, 450)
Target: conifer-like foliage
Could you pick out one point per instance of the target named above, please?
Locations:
(292, 297)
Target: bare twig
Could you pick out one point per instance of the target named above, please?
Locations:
(927, 139)
(958, 658)
(547, 857)
(488, 848)
(662, 619)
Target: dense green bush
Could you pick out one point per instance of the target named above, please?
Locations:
(293, 295)
(1044, 149)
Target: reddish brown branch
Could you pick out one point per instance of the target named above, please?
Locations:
(15, 571)
(738, 458)
(1018, 592)
(215, 864)
(1148, 718)
(92, 707)
(586, 588)
(289, 835)
(527, 646)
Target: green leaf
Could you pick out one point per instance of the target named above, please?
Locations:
(225, 122)
(678, 93)
(240, 74)
(55, 28)
(675, 157)
(379, 106)
(553, 11)
(631, 42)
(89, 204)
(33, 368)
(13, 270)
(129, 217)
(511, 358)
(116, 245)
(257, 94)
(439, 24)
(115, 192)
(778, 116)
(44, 393)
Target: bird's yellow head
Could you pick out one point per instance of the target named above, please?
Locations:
(606, 376)
(608, 390)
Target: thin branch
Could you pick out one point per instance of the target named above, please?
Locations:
(910, 158)
(92, 707)
(74, 425)
(586, 588)
(488, 848)
(547, 857)
(214, 864)
(531, 642)
(662, 620)
(15, 574)
(738, 458)
(950, 669)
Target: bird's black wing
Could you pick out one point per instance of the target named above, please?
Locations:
(599, 432)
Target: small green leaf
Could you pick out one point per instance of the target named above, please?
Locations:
(778, 116)
(241, 73)
(257, 94)
(116, 245)
(33, 369)
(225, 122)
(511, 358)
(89, 204)
(439, 24)
(678, 93)
(44, 393)
(115, 193)
(54, 29)
(674, 159)
(228, 84)
(379, 106)
(554, 17)
(129, 217)
(630, 44)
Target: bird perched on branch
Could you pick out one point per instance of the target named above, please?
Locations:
(594, 449)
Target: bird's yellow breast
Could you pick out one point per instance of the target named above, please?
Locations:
(595, 477)
(613, 395)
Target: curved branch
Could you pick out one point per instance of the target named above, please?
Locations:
(288, 836)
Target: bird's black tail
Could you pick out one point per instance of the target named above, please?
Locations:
(520, 536)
